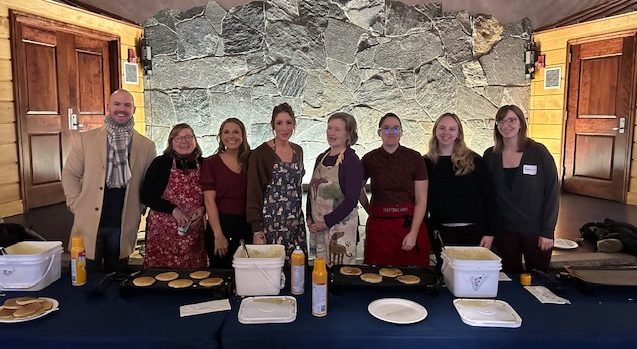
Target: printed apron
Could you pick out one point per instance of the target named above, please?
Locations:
(337, 244)
(165, 248)
(386, 228)
(283, 220)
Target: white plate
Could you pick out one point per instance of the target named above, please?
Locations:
(397, 310)
(564, 244)
(487, 313)
(56, 306)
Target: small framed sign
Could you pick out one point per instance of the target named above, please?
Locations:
(131, 75)
(552, 78)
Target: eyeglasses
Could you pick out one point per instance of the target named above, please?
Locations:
(387, 130)
(187, 138)
(509, 121)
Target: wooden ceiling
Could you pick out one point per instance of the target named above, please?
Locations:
(544, 14)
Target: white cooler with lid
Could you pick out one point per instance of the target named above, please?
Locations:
(471, 271)
(260, 273)
(30, 265)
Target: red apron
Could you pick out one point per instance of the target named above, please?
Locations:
(386, 228)
(165, 248)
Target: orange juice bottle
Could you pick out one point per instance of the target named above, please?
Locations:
(298, 271)
(319, 288)
(78, 261)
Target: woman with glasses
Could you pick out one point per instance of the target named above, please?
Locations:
(275, 172)
(526, 185)
(174, 227)
(224, 182)
(395, 233)
(461, 201)
(333, 193)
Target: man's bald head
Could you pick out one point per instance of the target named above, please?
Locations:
(121, 106)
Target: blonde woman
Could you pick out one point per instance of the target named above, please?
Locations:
(461, 203)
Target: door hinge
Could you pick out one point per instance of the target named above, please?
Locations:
(570, 56)
(565, 115)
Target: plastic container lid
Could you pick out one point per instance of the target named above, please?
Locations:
(487, 313)
(267, 310)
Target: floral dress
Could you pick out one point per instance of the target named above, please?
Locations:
(283, 220)
(165, 248)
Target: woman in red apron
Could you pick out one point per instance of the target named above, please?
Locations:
(395, 232)
(174, 228)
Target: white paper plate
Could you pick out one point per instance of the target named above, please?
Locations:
(487, 313)
(564, 244)
(267, 310)
(56, 306)
(397, 310)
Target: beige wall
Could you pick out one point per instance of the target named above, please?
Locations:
(10, 194)
(547, 107)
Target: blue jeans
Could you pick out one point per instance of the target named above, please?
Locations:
(107, 252)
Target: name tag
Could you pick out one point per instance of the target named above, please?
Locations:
(530, 170)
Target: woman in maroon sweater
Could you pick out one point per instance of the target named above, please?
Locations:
(224, 182)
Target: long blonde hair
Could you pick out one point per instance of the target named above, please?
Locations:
(461, 156)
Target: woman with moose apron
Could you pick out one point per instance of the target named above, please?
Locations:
(333, 194)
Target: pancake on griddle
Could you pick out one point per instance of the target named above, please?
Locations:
(211, 282)
(180, 283)
(347, 270)
(408, 279)
(371, 278)
(167, 276)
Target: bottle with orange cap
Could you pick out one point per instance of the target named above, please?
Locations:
(319, 288)
(298, 271)
(78, 261)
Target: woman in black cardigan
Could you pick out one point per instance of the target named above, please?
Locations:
(174, 228)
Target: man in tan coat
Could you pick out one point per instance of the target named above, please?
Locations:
(102, 178)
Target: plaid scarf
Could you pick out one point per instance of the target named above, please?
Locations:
(119, 137)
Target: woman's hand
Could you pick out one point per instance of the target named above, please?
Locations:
(221, 245)
(410, 241)
(544, 244)
(259, 238)
(486, 241)
(198, 214)
(181, 217)
(317, 227)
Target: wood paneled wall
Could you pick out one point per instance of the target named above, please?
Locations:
(10, 192)
(547, 106)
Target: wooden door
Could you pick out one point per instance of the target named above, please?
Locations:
(599, 120)
(63, 80)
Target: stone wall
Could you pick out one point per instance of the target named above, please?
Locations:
(364, 57)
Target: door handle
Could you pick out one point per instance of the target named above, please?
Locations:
(622, 126)
(72, 120)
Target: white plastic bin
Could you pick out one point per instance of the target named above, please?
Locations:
(262, 273)
(30, 265)
(471, 271)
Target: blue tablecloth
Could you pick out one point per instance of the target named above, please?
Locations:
(604, 321)
(152, 321)
(110, 321)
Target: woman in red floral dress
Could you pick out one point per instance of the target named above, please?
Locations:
(171, 190)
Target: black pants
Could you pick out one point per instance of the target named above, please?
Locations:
(234, 228)
(107, 252)
(511, 246)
